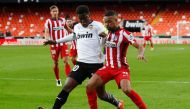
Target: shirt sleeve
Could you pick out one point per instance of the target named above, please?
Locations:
(100, 28)
(129, 37)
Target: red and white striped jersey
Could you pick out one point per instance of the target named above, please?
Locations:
(56, 29)
(146, 30)
(116, 48)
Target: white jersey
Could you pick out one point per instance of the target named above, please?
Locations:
(146, 30)
(89, 45)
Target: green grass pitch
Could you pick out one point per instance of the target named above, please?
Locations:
(27, 80)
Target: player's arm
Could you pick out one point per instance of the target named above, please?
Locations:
(103, 34)
(46, 31)
(67, 38)
(130, 38)
(140, 51)
(46, 34)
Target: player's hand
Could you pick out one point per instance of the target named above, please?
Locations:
(49, 42)
(141, 57)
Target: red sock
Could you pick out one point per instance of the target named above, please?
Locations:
(92, 99)
(74, 61)
(67, 69)
(137, 99)
(56, 71)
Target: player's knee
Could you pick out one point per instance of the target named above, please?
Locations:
(55, 63)
(126, 90)
(89, 86)
(73, 58)
(67, 88)
(65, 60)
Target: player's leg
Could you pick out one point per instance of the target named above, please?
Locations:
(151, 44)
(108, 97)
(92, 99)
(74, 78)
(64, 56)
(91, 94)
(66, 65)
(73, 55)
(55, 56)
(69, 85)
(73, 59)
(56, 72)
(96, 82)
(56, 69)
(123, 81)
(144, 42)
(126, 88)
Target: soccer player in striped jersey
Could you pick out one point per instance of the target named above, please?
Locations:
(116, 66)
(147, 34)
(73, 50)
(90, 58)
(55, 28)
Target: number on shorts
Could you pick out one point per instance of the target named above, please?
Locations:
(76, 67)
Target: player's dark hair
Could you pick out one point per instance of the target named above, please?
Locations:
(82, 9)
(67, 17)
(110, 13)
(52, 7)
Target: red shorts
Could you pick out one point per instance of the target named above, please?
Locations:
(56, 51)
(73, 53)
(147, 38)
(107, 74)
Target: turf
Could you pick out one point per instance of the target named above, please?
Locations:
(27, 80)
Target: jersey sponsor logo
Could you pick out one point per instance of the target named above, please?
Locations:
(75, 68)
(58, 28)
(90, 27)
(88, 35)
(133, 25)
(110, 44)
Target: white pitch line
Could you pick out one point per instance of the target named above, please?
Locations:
(32, 79)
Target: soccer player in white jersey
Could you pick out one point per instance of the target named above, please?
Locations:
(116, 66)
(55, 28)
(147, 34)
(90, 58)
